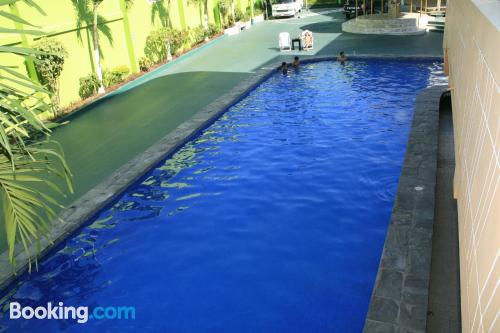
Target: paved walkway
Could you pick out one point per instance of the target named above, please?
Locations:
(444, 291)
(110, 132)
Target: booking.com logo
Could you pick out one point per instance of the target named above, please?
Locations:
(81, 314)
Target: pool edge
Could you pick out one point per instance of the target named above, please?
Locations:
(399, 300)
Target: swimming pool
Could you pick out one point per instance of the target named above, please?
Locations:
(272, 220)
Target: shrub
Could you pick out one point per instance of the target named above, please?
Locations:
(89, 85)
(115, 76)
(156, 43)
(213, 29)
(144, 64)
(238, 15)
(225, 10)
(49, 65)
(258, 8)
(197, 35)
(230, 21)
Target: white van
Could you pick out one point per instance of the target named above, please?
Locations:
(287, 8)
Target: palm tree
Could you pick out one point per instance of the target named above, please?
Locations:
(159, 8)
(88, 14)
(95, 35)
(27, 159)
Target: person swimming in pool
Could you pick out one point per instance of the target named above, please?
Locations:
(284, 68)
(296, 62)
(342, 58)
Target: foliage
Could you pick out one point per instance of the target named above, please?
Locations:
(26, 193)
(89, 85)
(230, 21)
(157, 41)
(144, 64)
(115, 76)
(238, 15)
(159, 8)
(197, 35)
(85, 17)
(49, 64)
(257, 11)
(225, 11)
(213, 30)
(258, 6)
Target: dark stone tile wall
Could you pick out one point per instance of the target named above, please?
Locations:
(400, 296)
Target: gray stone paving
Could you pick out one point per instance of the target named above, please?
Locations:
(400, 296)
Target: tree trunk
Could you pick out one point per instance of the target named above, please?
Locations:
(96, 51)
(205, 16)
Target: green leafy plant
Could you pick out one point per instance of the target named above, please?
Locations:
(238, 15)
(49, 64)
(213, 30)
(28, 161)
(258, 7)
(115, 76)
(88, 15)
(144, 64)
(89, 85)
(160, 10)
(159, 40)
(230, 21)
(197, 35)
(225, 11)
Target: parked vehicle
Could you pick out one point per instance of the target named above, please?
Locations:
(283, 8)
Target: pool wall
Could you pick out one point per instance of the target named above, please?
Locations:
(400, 295)
(399, 298)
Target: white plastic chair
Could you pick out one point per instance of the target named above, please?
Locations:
(285, 41)
(307, 40)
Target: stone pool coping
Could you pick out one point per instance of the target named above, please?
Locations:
(400, 296)
(399, 299)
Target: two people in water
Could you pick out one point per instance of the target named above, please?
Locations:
(284, 66)
(342, 58)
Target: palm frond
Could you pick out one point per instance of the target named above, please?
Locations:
(29, 167)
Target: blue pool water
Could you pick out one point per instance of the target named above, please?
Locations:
(272, 220)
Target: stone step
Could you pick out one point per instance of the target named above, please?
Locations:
(382, 25)
(437, 29)
(436, 23)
